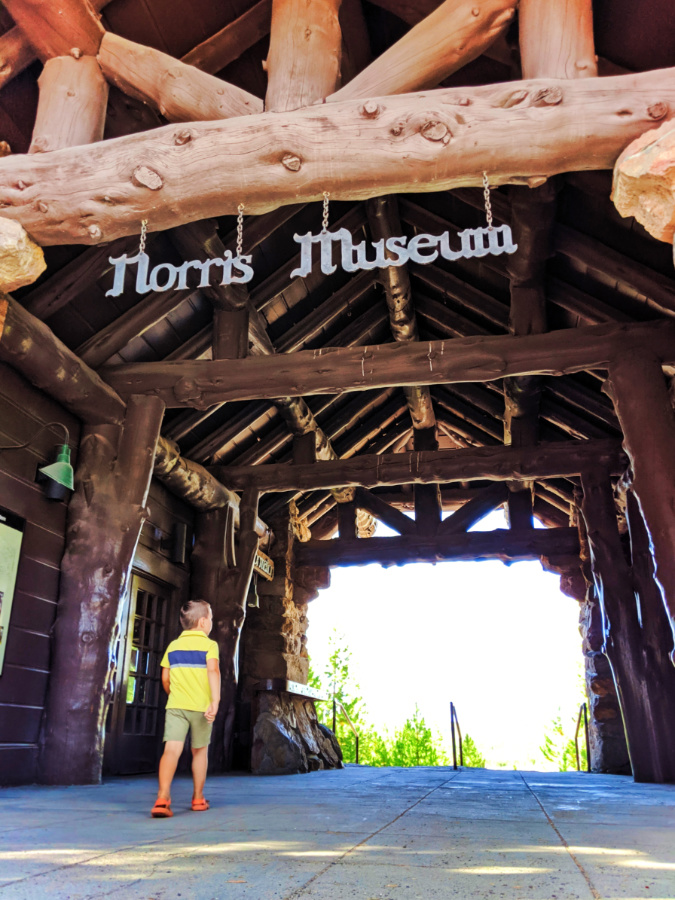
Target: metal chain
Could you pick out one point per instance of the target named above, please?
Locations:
(324, 223)
(240, 228)
(144, 230)
(488, 204)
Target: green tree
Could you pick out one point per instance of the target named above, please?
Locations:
(472, 756)
(558, 747)
(416, 745)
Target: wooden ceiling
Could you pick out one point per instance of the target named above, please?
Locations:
(602, 268)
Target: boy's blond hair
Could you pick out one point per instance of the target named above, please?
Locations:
(192, 611)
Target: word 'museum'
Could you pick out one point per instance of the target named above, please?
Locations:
(394, 251)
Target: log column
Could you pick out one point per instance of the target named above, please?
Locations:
(638, 682)
(286, 736)
(222, 579)
(638, 389)
(609, 752)
(104, 523)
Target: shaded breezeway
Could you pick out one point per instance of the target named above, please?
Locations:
(364, 833)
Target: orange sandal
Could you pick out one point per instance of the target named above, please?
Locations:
(200, 805)
(161, 809)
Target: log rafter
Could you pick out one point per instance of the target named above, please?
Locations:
(197, 170)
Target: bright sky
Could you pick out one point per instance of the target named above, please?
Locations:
(500, 641)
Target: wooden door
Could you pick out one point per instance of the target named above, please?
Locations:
(136, 719)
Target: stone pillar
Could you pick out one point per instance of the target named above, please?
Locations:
(609, 753)
(286, 735)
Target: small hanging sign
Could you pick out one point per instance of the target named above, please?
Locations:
(394, 251)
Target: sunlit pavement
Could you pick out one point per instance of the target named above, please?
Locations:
(385, 834)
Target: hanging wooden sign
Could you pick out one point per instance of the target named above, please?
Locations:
(395, 251)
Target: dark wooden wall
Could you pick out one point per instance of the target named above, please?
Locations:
(23, 684)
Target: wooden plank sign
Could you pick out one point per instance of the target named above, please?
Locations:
(263, 565)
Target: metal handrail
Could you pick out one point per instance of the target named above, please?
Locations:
(583, 712)
(454, 723)
(336, 703)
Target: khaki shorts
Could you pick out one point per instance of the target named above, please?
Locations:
(179, 721)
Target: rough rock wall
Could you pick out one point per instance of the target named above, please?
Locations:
(287, 738)
(609, 752)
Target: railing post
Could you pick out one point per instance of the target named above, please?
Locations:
(452, 730)
(588, 741)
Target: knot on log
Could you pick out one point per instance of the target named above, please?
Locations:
(657, 110)
(370, 109)
(291, 162)
(513, 98)
(94, 232)
(184, 136)
(548, 97)
(76, 53)
(186, 389)
(145, 177)
(436, 131)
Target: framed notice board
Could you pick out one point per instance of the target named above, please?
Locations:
(11, 535)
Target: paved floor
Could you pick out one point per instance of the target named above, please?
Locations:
(370, 834)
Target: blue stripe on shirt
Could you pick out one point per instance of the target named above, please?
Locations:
(188, 659)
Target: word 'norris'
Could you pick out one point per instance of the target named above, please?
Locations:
(397, 251)
(165, 277)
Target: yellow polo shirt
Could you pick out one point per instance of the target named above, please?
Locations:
(186, 658)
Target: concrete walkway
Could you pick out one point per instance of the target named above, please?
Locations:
(370, 834)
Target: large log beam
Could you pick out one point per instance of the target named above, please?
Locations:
(303, 64)
(560, 460)
(201, 383)
(31, 348)
(423, 142)
(454, 34)
(507, 546)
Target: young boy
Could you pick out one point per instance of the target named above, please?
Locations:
(191, 678)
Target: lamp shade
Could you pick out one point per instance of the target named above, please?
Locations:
(58, 475)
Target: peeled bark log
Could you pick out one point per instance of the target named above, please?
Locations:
(21, 261)
(31, 348)
(230, 42)
(638, 388)
(451, 36)
(303, 64)
(72, 106)
(16, 54)
(58, 27)
(193, 484)
(436, 141)
(382, 511)
(104, 523)
(384, 223)
(200, 384)
(564, 459)
(507, 546)
(179, 92)
(556, 39)
(649, 731)
(473, 511)
(644, 182)
(225, 588)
